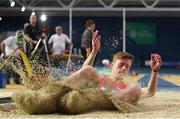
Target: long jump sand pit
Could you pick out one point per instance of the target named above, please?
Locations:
(165, 104)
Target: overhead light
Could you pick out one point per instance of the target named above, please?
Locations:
(12, 3)
(0, 18)
(43, 17)
(23, 9)
(33, 13)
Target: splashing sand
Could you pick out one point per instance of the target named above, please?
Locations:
(44, 95)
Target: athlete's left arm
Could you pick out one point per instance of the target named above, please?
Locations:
(155, 64)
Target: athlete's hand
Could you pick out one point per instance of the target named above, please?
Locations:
(96, 38)
(155, 62)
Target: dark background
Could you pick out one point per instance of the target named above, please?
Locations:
(166, 43)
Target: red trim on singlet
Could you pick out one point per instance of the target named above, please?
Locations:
(104, 80)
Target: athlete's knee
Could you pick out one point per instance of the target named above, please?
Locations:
(89, 70)
(136, 88)
(135, 93)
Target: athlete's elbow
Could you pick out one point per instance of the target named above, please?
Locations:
(150, 93)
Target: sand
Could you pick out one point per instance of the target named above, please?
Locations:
(172, 79)
(163, 105)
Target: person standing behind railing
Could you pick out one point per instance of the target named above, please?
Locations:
(11, 46)
(31, 34)
(86, 39)
(57, 42)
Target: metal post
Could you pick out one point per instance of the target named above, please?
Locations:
(70, 36)
(70, 23)
(124, 30)
(47, 55)
(140, 9)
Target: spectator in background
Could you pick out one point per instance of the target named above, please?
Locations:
(11, 46)
(86, 40)
(12, 43)
(57, 42)
(8, 46)
(31, 34)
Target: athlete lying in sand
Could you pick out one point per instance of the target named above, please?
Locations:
(121, 65)
(72, 98)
